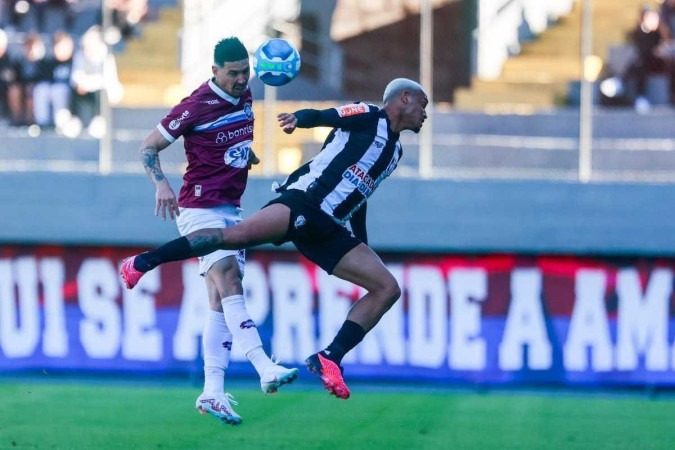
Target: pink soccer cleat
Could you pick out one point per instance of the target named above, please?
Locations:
(129, 274)
(330, 374)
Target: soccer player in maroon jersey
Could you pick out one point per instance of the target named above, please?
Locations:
(216, 122)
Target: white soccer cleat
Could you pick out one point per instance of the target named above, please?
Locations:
(276, 376)
(219, 406)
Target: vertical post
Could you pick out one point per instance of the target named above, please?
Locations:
(105, 143)
(427, 81)
(586, 95)
(269, 130)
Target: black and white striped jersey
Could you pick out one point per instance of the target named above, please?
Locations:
(358, 154)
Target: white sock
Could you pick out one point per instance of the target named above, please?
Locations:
(245, 332)
(216, 347)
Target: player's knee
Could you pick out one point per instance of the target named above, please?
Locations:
(226, 275)
(391, 291)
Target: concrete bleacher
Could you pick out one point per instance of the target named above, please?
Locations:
(627, 146)
(149, 66)
(541, 74)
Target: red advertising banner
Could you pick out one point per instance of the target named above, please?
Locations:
(461, 318)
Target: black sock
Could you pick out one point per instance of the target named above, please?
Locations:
(176, 250)
(349, 336)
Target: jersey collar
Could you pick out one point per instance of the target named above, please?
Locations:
(221, 93)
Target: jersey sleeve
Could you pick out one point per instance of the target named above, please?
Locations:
(179, 120)
(351, 116)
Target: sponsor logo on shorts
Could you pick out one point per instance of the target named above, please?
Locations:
(299, 222)
(247, 324)
(227, 345)
(352, 110)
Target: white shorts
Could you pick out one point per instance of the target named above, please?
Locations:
(192, 219)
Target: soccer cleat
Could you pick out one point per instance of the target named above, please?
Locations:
(130, 275)
(330, 373)
(276, 376)
(219, 406)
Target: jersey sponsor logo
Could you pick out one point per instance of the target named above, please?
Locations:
(352, 110)
(198, 190)
(211, 102)
(175, 124)
(237, 155)
(223, 136)
(358, 177)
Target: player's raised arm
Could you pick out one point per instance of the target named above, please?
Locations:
(287, 122)
(347, 116)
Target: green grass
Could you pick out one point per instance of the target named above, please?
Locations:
(102, 415)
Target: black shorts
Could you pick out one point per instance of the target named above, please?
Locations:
(313, 232)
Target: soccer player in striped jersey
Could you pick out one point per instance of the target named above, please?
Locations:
(216, 123)
(322, 210)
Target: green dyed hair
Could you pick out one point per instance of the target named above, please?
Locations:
(229, 50)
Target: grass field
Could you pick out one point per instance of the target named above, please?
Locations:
(99, 414)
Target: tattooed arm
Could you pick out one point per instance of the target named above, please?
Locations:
(165, 198)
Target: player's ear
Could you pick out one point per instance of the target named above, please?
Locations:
(405, 97)
(214, 69)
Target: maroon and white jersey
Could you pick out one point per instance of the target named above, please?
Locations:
(217, 130)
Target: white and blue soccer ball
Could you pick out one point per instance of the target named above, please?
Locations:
(276, 62)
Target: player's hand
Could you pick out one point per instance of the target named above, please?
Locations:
(287, 122)
(165, 201)
(252, 160)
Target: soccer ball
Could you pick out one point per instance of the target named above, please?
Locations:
(276, 62)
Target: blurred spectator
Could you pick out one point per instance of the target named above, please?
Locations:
(27, 66)
(7, 74)
(94, 74)
(5, 14)
(645, 38)
(38, 16)
(25, 16)
(667, 48)
(86, 13)
(667, 14)
(51, 96)
(127, 15)
(53, 15)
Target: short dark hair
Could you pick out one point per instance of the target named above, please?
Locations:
(228, 50)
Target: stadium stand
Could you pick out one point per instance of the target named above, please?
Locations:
(542, 72)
